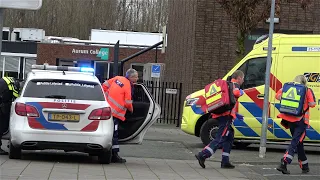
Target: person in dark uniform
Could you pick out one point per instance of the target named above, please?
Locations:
(9, 91)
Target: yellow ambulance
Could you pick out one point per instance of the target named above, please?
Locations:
(292, 55)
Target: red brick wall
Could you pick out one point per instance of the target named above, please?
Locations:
(202, 39)
(181, 43)
(50, 52)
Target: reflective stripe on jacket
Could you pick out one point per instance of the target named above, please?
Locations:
(310, 101)
(10, 82)
(118, 94)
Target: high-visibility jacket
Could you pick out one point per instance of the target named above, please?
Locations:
(234, 111)
(118, 94)
(310, 101)
(11, 86)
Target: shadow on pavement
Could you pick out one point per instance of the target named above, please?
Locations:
(255, 147)
(58, 156)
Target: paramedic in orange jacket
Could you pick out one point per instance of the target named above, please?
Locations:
(225, 133)
(297, 127)
(118, 92)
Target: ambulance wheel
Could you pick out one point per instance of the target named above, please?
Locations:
(14, 152)
(105, 157)
(208, 131)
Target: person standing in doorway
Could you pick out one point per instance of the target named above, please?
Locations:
(118, 92)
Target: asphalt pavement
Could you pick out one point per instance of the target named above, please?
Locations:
(166, 153)
(247, 160)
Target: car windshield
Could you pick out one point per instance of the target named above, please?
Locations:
(64, 89)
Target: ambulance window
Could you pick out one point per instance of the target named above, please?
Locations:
(255, 71)
(243, 67)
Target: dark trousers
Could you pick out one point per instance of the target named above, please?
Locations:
(224, 138)
(115, 143)
(298, 132)
(4, 119)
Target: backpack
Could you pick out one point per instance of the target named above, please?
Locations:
(219, 96)
(292, 99)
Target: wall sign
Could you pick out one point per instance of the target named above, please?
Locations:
(155, 71)
(102, 53)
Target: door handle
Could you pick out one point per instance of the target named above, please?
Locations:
(261, 96)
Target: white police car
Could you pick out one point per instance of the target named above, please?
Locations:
(64, 108)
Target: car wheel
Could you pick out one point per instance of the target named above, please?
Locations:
(241, 145)
(14, 152)
(105, 157)
(208, 131)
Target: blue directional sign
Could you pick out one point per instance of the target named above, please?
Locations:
(155, 70)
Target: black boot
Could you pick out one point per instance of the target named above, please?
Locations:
(305, 170)
(201, 160)
(283, 167)
(117, 159)
(2, 152)
(227, 165)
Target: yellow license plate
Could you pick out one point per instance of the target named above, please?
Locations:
(64, 117)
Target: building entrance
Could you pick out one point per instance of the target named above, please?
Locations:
(102, 70)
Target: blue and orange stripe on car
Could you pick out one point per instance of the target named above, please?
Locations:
(42, 123)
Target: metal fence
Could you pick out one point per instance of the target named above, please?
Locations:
(168, 96)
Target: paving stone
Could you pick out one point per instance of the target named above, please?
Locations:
(92, 178)
(4, 177)
(135, 168)
(117, 171)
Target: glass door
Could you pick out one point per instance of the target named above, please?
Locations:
(28, 64)
(102, 69)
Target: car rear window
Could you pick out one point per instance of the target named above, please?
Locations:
(64, 89)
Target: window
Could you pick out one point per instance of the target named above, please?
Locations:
(111, 70)
(5, 35)
(66, 89)
(254, 71)
(139, 95)
(28, 64)
(11, 65)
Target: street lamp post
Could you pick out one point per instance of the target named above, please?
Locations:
(264, 128)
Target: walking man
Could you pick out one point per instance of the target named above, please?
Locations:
(225, 133)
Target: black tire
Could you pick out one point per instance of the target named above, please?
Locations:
(14, 152)
(105, 157)
(208, 131)
(241, 145)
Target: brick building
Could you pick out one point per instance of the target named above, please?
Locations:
(87, 55)
(202, 39)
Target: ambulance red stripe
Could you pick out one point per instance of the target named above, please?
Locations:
(275, 84)
(253, 94)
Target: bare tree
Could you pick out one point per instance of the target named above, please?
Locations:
(75, 18)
